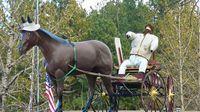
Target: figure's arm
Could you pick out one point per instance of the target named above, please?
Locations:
(154, 44)
(131, 35)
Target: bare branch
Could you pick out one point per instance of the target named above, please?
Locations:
(5, 89)
(16, 9)
(195, 5)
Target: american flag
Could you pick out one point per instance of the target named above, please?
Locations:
(49, 93)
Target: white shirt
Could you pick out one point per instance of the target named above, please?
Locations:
(143, 45)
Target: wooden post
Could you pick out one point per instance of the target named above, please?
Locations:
(119, 53)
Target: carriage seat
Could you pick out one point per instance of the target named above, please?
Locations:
(132, 69)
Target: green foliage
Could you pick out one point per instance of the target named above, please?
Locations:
(114, 20)
(101, 29)
(130, 103)
(77, 99)
(69, 22)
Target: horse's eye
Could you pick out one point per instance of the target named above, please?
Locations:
(22, 31)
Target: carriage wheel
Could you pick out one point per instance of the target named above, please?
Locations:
(100, 101)
(170, 95)
(153, 92)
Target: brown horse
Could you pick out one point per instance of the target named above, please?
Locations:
(92, 55)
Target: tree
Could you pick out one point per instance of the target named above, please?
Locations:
(8, 57)
(178, 53)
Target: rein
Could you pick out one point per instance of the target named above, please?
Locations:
(154, 69)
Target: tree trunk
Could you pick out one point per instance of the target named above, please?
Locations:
(32, 88)
(7, 71)
(31, 97)
(2, 72)
(180, 64)
(117, 14)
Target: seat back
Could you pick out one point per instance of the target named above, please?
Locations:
(118, 49)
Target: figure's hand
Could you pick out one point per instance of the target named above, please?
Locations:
(128, 35)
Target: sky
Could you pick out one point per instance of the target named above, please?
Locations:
(88, 5)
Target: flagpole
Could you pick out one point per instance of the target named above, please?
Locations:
(36, 58)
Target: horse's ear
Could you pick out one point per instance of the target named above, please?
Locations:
(23, 20)
(29, 19)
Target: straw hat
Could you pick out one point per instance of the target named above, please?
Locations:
(149, 27)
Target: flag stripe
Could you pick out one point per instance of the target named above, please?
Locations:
(49, 92)
(51, 104)
(49, 95)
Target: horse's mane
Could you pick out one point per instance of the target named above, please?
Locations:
(57, 38)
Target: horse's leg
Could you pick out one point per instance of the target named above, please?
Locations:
(109, 88)
(53, 81)
(59, 89)
(91, 84)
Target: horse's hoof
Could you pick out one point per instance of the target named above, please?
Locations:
(58, 110)
(84, 109)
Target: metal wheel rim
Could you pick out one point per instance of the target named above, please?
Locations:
(149, 88)
(170, 95)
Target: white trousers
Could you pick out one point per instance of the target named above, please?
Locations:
(134, 60)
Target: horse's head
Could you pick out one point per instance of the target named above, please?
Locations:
(28, 35)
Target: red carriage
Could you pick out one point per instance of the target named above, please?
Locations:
(155, 91)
